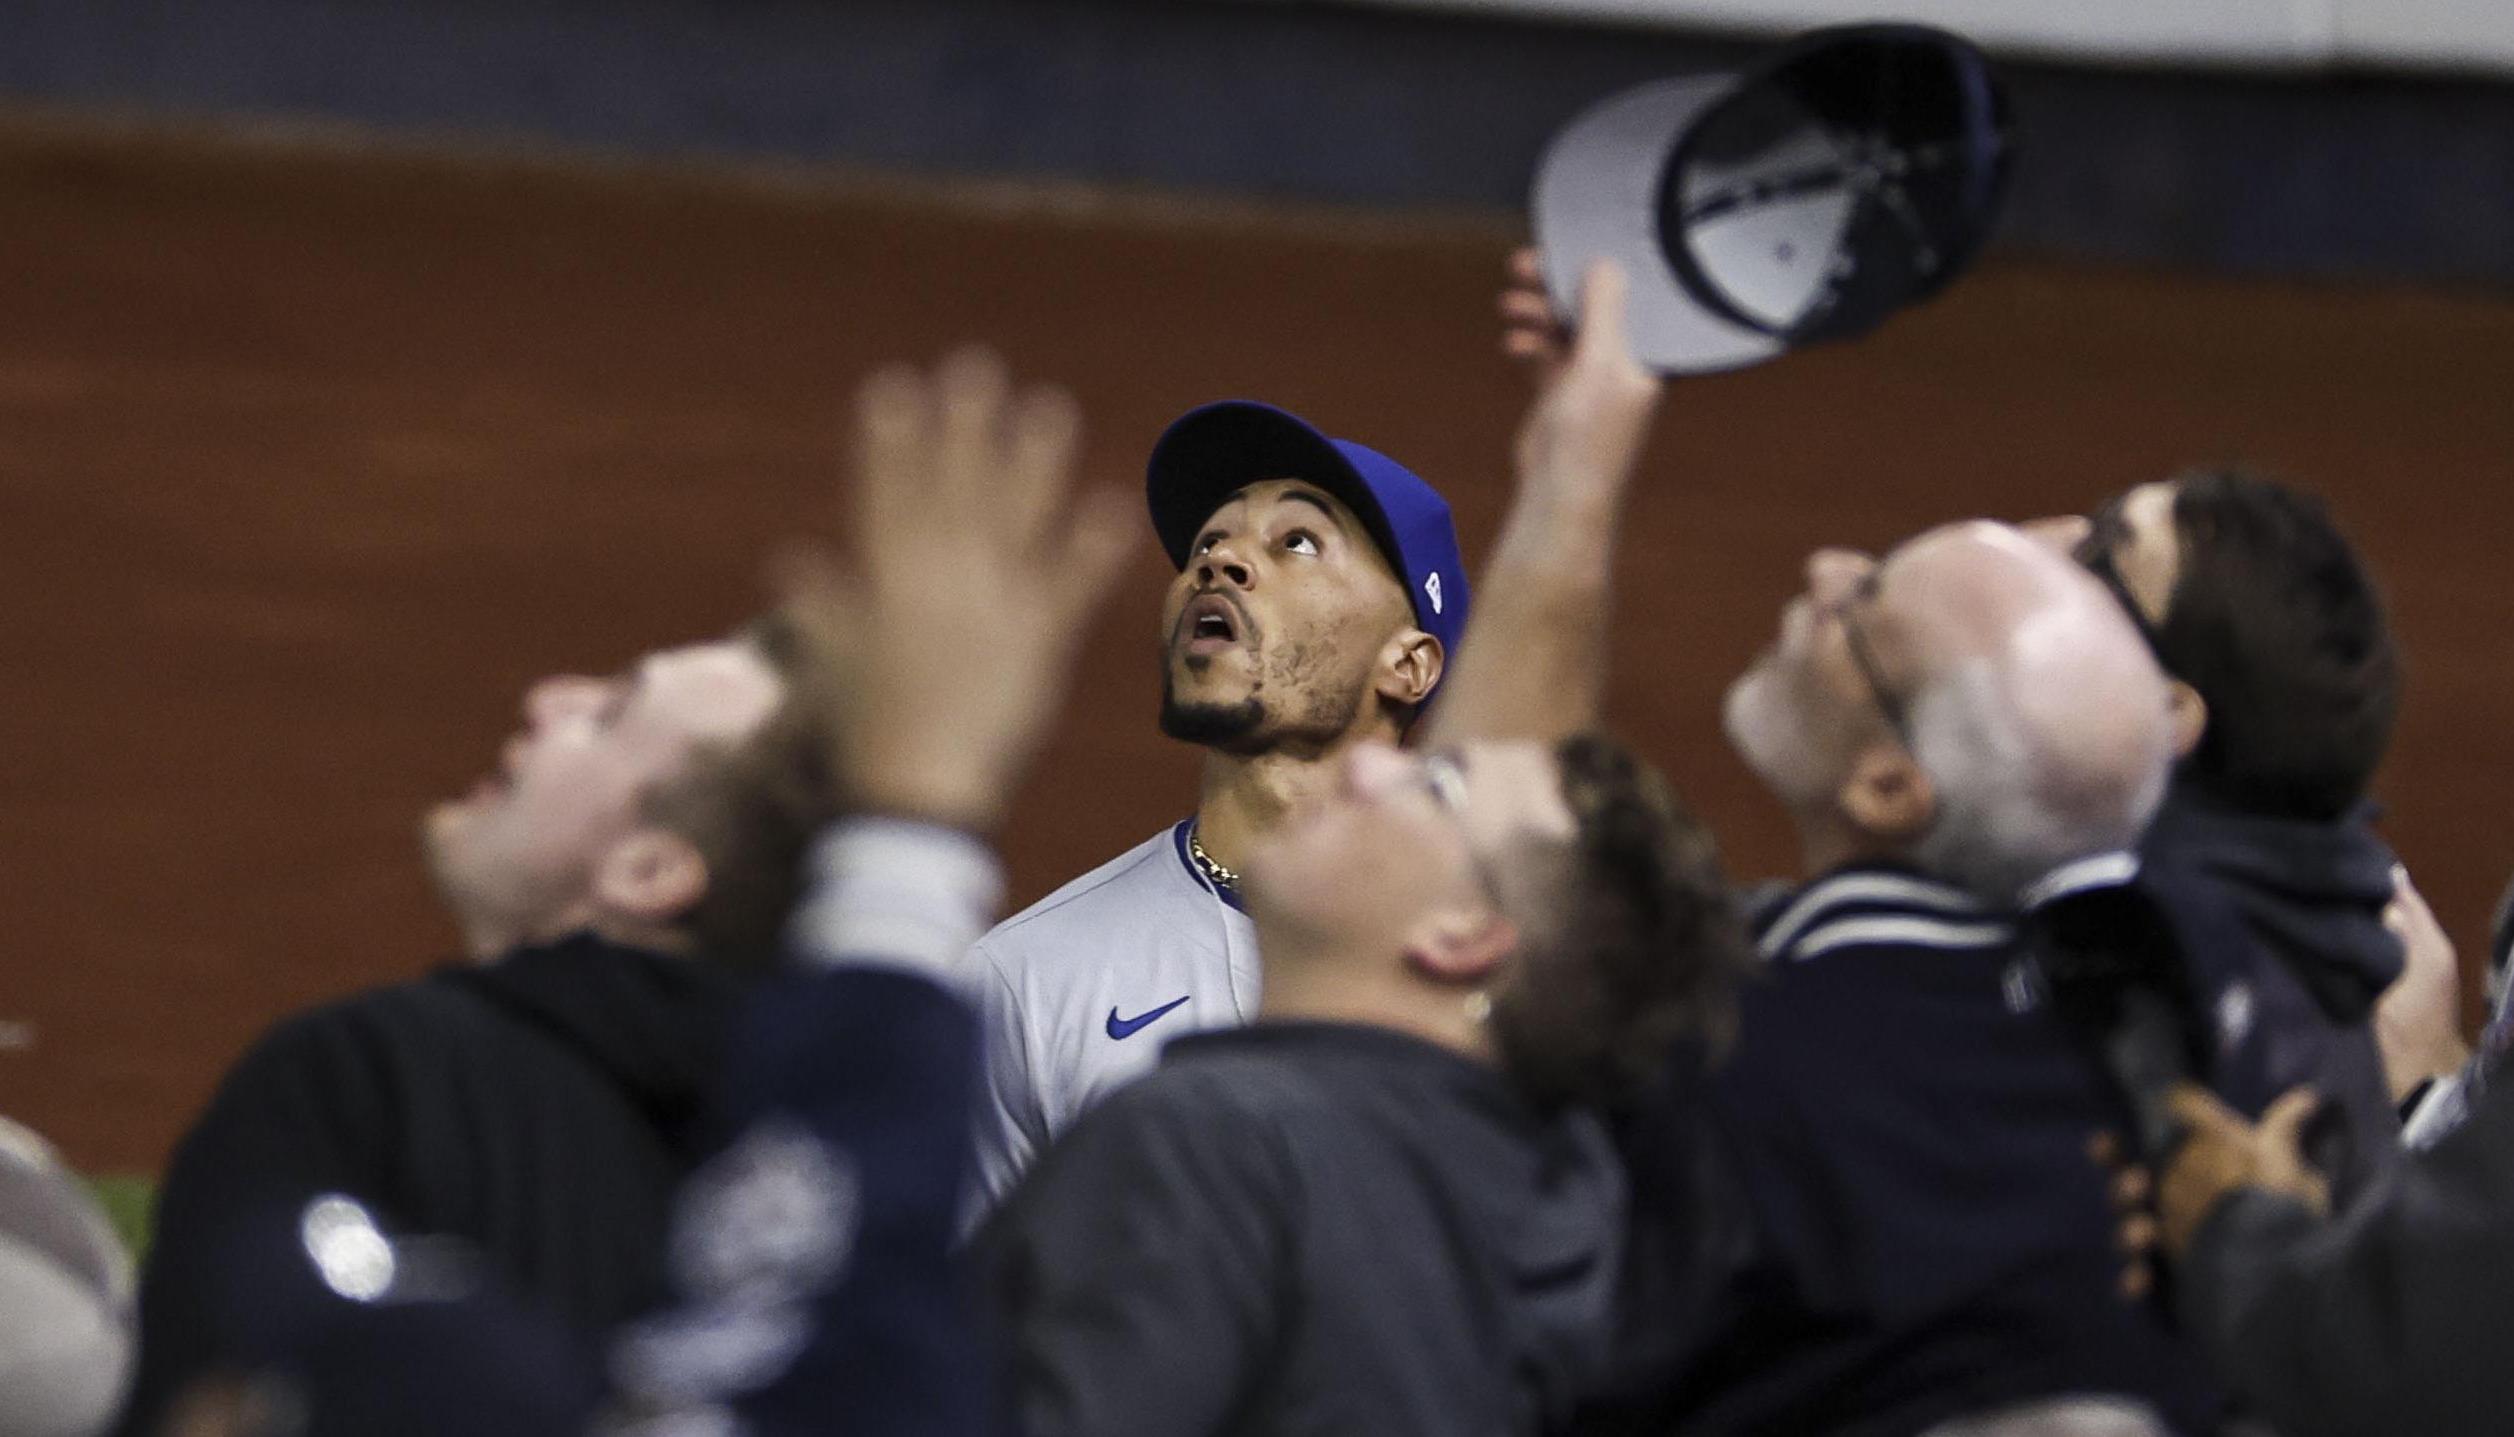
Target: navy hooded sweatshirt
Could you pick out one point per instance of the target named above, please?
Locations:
(2282, 925)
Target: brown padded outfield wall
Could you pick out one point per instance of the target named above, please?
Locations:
(310, 460)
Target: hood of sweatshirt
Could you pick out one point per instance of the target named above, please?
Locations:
(653, 1023)
(2312, 891)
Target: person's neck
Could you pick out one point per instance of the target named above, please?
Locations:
(1246, 796)
(487, 939)
(1323, 988)
(1824, 846)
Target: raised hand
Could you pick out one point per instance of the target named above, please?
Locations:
(946, 646)
(1534, 659)
(2418, 1021)
(1594, 399)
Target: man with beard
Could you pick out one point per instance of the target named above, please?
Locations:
(1383, 1207)
(635, 851)
(1320, 593)
(2284, 685)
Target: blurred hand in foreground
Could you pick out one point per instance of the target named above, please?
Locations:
(2221, 1154)
(943, 648)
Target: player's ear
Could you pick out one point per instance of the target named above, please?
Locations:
(651, 876)
(1410, 667)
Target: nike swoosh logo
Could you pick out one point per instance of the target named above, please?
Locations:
(1129, 1027)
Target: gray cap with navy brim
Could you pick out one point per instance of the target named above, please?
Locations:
(1854, 171)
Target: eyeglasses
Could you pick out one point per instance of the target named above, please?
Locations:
(1889, 704)
(2106, 533)
(1444, 777)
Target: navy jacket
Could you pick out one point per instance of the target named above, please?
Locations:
(540, 1110)
(1919, 1232)
(811, 1257)
(809, 1262)
(2282, 927)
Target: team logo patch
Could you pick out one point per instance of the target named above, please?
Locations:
(771, 1218)
(2234, 1016)
(1431, 590)
(762, 1227)
(2023, 987)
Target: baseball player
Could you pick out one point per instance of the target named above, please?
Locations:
(1319, 596)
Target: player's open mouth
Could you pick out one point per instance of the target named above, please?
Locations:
(1209, 625)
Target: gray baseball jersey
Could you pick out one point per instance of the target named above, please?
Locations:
(1084, 987)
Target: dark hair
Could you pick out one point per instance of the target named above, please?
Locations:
(1641, 949)
(752, 809)
(2277, 625)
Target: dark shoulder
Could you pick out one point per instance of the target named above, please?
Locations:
(1214, 1127)
(351, 1042)
(1178, 1149)
(426, 1005)
(1215, 1099)
(318, 1098)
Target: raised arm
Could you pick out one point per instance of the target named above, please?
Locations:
(1533, 663)
(939, 653)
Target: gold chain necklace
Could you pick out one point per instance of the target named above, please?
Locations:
(1221, 876)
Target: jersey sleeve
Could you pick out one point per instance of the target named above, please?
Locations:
(813, 1255)
(816, 1247)
(1011, 1126)
(1135, 1282)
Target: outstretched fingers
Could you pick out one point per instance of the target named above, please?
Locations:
(890, 452)
(1042, 441)
(971, 391)
(1531, 331)
(1605, 338)
(2283, 1121)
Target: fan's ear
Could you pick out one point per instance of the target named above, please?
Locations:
(652, 876)
(1888, 793)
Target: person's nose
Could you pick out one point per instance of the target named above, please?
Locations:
(1833, 575)
(1222, 564)
(560, 697)
(2060, 533)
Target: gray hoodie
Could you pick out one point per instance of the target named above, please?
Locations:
(1307, 1228)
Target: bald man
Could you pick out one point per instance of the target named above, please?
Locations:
(1880, 1219)
(1918, 1239)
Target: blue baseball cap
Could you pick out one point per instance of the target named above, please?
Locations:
(1212, 452)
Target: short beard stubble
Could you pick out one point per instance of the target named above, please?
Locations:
(1251, 725)
(1210, 725)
